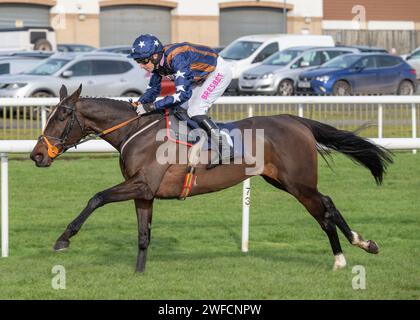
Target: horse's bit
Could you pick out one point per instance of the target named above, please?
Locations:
(54, 150)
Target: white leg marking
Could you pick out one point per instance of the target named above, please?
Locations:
(340, 262)
(359, 241)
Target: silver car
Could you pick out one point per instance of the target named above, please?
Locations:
(414, 60)
(102, 74)
(17, 65)
(278, 74)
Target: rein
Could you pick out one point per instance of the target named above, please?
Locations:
(54, 150)
(102, 133)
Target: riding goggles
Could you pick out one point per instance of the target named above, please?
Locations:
(143, 61)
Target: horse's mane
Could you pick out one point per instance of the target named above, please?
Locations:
(114, 102)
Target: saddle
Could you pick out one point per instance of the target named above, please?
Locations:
(181, 129)
(183, 134)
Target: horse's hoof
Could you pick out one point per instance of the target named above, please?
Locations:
(372, 247)
(139, 270)
(340, 262)
(61, 245)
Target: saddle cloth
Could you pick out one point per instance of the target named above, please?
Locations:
(177, 118)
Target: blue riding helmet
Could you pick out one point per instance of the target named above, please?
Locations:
(145, 46)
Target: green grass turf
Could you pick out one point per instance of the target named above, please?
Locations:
(195, 250)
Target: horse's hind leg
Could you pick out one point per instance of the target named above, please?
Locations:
(313, 202)
(353, 237)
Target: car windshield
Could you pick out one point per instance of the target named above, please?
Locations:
(282, 58)
(342, 62)
(49, 67)
(240, 50)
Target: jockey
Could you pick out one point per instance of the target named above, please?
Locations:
(200, 75)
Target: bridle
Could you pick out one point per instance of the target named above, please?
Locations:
(54, 150)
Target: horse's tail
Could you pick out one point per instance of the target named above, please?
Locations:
(362, 151)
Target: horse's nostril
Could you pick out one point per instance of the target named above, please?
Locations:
(38, 158)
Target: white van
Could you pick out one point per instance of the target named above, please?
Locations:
(28, 38)
(249, 51)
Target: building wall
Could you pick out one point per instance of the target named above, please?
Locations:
(306, 8)
(78, 28)
(192, 20)
(304, 25)
(196, 29)
(198, 20)
(393, 25)
(49, 3)
(403, 10)
(76, 21)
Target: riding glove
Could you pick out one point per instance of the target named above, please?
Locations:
(145, 108)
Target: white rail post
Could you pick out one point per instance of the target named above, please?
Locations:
(246, 196)
(246, 203)
(300, 110)
(380, 121)
(43, 117)
(4, 206)
(414, 123)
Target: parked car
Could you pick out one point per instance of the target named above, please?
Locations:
(14, 62)
(102, 74)
(26, 54)
(363, 73)
(116, 49)
(65, 47)
(28, 38)
(278, 73)
(368, 49)
(413, 59)
(249, 51)
(15, 65)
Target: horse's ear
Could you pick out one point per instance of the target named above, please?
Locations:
(76, 95)
(63, 92)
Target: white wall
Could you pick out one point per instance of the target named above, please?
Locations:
(197, 8)
(302, 8)
(306, 8)
(76, 6)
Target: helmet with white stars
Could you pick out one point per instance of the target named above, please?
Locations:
(145, 46)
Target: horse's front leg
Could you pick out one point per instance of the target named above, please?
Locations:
(133, 188)
(144, 210)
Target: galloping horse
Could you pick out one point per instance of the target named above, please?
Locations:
(290, 163)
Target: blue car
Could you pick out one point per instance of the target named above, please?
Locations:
(363, 73)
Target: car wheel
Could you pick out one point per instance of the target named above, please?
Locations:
(43, 45)
(341, 88)
(42, 94)
(131, 94)
(406, 88)
(285, 88)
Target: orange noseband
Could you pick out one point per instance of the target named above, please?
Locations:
(53, 151)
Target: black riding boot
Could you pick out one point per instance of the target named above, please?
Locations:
(225, 151)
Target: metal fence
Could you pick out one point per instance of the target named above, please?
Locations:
(388, 116)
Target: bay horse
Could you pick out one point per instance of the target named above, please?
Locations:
(290, 143)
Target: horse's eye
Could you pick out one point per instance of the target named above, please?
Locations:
(62, 114)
